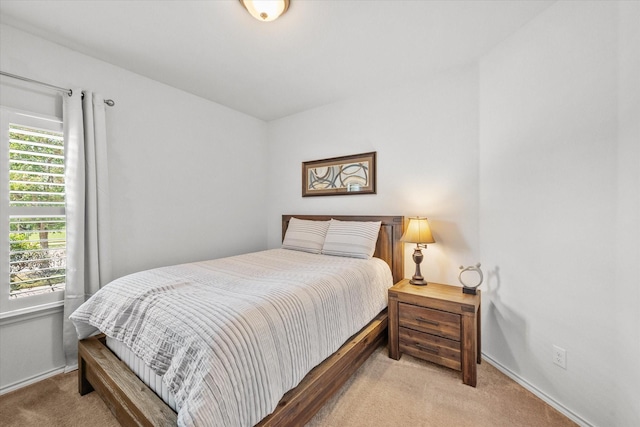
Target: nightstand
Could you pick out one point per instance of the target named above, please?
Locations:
(437, 323)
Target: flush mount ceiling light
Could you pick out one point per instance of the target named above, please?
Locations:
(266, 10)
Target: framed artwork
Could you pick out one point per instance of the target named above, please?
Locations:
(336, 176)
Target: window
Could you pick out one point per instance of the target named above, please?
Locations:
(32, 210)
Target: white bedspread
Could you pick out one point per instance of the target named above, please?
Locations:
(232, 335)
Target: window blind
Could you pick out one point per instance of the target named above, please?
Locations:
(37, 222)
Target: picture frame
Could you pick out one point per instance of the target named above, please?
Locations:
(340, 176)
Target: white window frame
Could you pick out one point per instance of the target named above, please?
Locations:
(15, 306)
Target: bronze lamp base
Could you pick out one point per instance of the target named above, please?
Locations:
(417, 278)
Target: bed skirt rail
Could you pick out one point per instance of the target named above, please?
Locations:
(128, 398)
(134, 404)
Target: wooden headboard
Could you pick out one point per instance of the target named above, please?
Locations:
(388, 247)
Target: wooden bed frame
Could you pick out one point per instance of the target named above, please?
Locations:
(134, 404)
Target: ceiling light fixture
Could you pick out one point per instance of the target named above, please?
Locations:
(266, 10)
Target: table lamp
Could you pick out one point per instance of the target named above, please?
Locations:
(418, 232)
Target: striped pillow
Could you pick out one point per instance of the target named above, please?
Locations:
(304, 235)
(353, 239)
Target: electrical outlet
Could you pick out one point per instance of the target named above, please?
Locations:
(560, 356)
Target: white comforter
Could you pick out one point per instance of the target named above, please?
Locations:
(232, 335)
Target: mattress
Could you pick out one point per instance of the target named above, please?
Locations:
(230, 336)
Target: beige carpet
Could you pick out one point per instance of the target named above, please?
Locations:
(383, 392)
(411, 392)
(54, 402)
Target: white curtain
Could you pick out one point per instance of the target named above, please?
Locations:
(87, 208)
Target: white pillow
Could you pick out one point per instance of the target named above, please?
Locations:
(355, 239)
(304, 235)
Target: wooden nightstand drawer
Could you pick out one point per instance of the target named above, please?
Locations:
(431, 321)
(429, 347)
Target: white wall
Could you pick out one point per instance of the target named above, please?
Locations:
(559, 193)
(425, 136)
(627, 250)
(179, 181)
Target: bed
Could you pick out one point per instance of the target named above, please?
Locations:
(133, 403)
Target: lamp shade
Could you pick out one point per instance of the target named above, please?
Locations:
(266, 10)
(418, 231)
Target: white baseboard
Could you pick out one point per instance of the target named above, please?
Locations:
(539, 393)
(31, 380)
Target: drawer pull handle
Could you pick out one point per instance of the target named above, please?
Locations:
(428, 348)
(429, 321)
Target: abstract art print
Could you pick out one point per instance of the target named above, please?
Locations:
(345, 175)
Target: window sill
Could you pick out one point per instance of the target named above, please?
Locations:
(28, 313)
